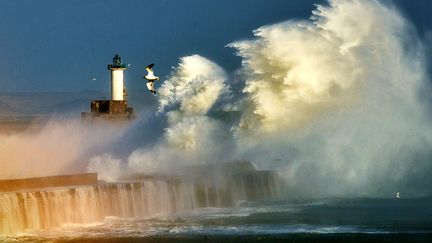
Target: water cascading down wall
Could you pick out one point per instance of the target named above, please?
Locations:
(52, 207)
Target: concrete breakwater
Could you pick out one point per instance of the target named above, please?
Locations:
(45, 208)
(48, 181)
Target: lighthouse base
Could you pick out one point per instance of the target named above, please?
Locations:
(108, 109)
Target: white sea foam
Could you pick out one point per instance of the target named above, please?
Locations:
(333, 103)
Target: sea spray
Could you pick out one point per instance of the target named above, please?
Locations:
(331, 103)
(191, 136)
(57, 146)
(337, 99)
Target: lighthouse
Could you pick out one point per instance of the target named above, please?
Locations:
(117, 78)
(117, 107)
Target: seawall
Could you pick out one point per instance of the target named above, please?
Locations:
(38, 209)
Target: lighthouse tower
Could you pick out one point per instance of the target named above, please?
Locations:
(117, 80)
(117, 107)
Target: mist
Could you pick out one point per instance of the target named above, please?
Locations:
(338, 100)
(53, 147)
(332, 103)
(337, 104)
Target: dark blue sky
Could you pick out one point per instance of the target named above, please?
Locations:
(53, 45)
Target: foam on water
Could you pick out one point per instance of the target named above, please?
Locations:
(250, 220)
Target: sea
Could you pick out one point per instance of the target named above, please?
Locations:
(282, 220)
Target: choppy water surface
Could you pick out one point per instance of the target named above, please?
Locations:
(336, 216)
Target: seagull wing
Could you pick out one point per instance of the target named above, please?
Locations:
(150, 75)
(150, 66)
(150, 86)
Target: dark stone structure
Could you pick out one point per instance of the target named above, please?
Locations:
(109, 110)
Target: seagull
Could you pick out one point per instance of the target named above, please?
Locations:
(397, 195)
(150, 78)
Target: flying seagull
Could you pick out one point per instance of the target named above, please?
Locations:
(150, 78)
